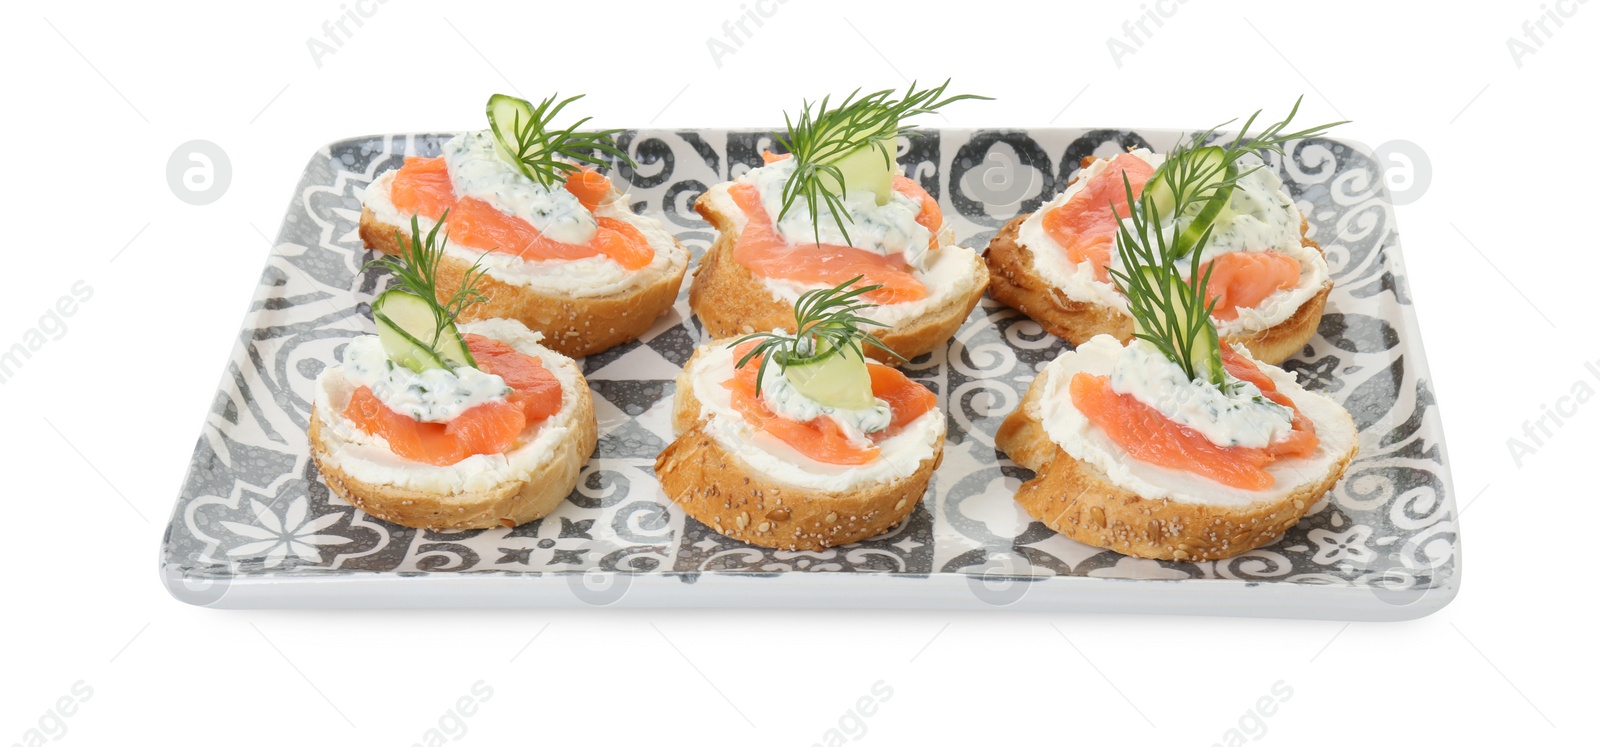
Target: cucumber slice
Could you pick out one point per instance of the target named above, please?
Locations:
(836, 378)
(403, 348)
(868, 168)
(1206, 366)
(507, 116)
(406, 324)
(1217, 191)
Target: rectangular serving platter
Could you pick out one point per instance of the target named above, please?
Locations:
(254, 526)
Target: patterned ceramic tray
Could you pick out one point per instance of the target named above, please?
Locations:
(255, 527)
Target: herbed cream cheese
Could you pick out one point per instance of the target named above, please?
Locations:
(436, 395)
(478, 171)
(588, 277)
(368, 458)
(1261, 217)
(898, 455)
(781, 395)
(1240, 416)
(887, 229)
(1084, 441)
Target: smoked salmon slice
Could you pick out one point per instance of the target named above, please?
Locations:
(1086, 225)
(763, 251)
(1302, 441)
(589, 187)
(821, 438)
(422, 186)
(535, 387)
(1242, 280)
(1143, 433)
(489, 428)
(907, 399)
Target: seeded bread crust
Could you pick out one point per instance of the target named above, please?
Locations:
(1015, 283)
(732, 301)
(514, 501)
(574, 327)
(1077, 499)
(720, 490)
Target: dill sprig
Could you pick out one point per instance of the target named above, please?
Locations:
(1194, 181)
(1169, 309)
(821, 136)
(545, 155)
(416, 271)
(824, 320)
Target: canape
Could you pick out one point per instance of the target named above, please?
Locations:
(560, 248)
(1172, 445)
(838, 206)
(435, 426)
(800, 441)
(1269, 279)
(1128, 458)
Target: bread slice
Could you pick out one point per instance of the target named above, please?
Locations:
(1076, 499)
(1015, 283)
(571, 326)
(720, 490)
(511, 500)
(732, 301)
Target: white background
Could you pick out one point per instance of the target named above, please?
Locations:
(101, 422)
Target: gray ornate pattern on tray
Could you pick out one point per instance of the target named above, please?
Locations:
(253, 509)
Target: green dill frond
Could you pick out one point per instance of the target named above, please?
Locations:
(547, 155)
(822, 135)
(416, 271)
(1193, 181)
(825, 320)
(1169, 309)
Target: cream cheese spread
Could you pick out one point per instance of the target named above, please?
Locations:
(436, 395)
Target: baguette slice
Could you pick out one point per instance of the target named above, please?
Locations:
(1015, 283)
(722, 491)
(1078, 500)
(576, 326)
(516, 498)
(731, 301)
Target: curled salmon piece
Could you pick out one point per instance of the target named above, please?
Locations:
(1143, 433)
(534, 387)
(821, 438)
(489, 428)
(422, 186)
(589, 186)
